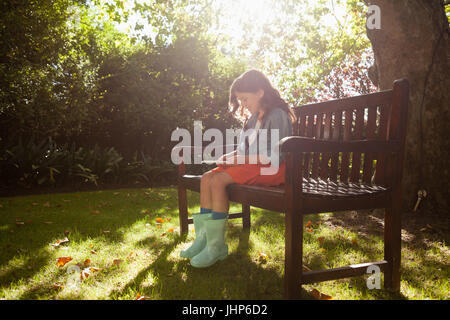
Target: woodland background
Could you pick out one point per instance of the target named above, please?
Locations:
(90, 91)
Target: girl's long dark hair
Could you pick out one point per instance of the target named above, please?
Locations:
(252, 81)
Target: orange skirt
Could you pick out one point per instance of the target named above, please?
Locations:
(250, 174)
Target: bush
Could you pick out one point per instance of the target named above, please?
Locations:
(33, 164)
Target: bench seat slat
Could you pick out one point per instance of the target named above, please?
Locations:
(317, 196)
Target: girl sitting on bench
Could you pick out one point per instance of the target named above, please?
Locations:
(252, 92)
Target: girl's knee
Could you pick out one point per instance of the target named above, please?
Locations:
(220, 180)
(207, 177)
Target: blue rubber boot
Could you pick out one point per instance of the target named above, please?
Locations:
(200, 236)
(215, 248)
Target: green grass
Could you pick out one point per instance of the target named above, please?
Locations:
(125, 228)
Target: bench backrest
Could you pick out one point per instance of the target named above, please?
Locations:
(376, 116)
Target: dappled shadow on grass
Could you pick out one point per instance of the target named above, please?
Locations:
(236, 277)
(27, 270)
(368, 228)
(240, 276)
(26, 249)
(42, 243)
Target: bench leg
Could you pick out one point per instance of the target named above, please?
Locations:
(392, 248)
(246, 216)
(182, 209)
(293, 254)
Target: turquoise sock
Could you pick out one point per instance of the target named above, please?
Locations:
(219, 215)
(204, 210)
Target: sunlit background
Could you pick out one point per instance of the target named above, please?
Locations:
(281, 38)
(124, 74)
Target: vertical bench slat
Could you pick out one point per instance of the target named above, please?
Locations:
(301, 119)
(382, 134)
(324, 168)
(356, 158)
(370, 135)
(346, 137)
(307, 156)
(316, 155)
(336, 133)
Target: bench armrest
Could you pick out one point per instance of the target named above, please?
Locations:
(306, 144)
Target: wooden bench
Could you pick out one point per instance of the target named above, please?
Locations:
(346, 154)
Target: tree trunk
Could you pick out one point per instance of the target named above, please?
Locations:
(413, 43)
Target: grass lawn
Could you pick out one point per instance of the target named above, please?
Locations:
(119, 250)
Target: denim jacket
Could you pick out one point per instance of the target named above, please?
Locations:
(276, 119)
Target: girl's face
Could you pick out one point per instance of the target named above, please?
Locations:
(250, 100)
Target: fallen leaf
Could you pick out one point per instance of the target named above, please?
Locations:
(321, 240)
(117, 261)
(163, 234)
(19, 223)
(35, 204)
(87, 262)
(28, 221)
(144, 211)
(320, 296)
(95, 212)
(315, 293)
(57, 243)
(263, 257)
(48, 222)
(95, 269)
(354, 241)
(86, 272)
(159, 220)
(308, 224)
(46, 204)
(139, 297)
(66, 200)
(106, 231)
(323, 296)
(57, 286)
(93, 252)
(116, 193)
(170, 230)
(131, 255)
(168, 219)
(63, 260)
(309, 230)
